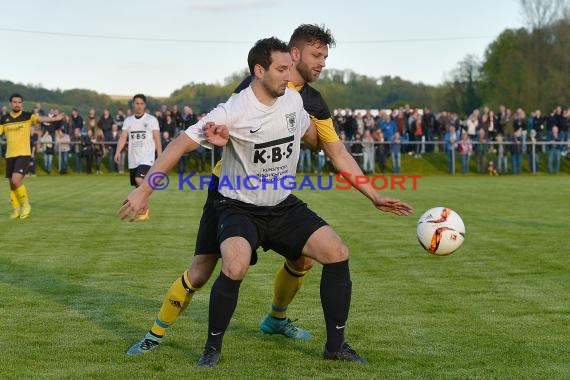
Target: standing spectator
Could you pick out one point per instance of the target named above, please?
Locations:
(98, 149)
(465, 150)
(418, 135)
(119, 119)
(87, 150)
(176, 117)
(77, 149)
(532, 152)
(369, 122)
(91, 122)
(350, 125)
(165, 140)
(105, 121)
(472, 126)
(429, 124)
(519, 120)
(538, 124)
(169, 125)
(501, 119)
(451, 138)
(443, 122)
(304, 159)
(113, 139)
(356, 149)
(516, 152)
(502, 165)
(47, 147)
(62, 141)
(76, 120)
(396, 150)
(359, 123)
(554, 149)
(492, 129)
(508, 126)
(381, 149)
(387, 126)
(368, 157)
(481, 150)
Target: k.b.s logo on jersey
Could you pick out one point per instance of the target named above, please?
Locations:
(273, 151)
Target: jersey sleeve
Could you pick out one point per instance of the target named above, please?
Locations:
(218, 116)
(325, 130)
(34, 119)
(154, 126)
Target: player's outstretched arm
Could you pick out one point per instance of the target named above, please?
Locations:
(47, 119)
(137, 201)
(345, 163)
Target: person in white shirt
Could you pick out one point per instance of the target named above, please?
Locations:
(265, 124)
(143, 133)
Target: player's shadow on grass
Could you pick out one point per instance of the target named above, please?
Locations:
(96, 305)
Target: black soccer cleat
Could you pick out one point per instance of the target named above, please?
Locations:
(210, 358)
(345, 353)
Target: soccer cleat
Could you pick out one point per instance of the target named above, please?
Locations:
(26, 211)
(148, 344)
(15, 214)
(145, 216)
(210, 358)
(272, 325)
(345, 353)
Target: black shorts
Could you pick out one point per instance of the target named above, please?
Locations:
(207, 240)
(19, 164)
(140, 171)
(284, 228)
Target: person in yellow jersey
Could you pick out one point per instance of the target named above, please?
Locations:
(309, 46)
(17, 126)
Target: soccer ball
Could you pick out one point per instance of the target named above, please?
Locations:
(441, 231)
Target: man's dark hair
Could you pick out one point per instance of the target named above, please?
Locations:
(260, 53)
(311, 34)
(140, 96)
(16, 95)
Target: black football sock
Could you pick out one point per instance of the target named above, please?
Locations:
(223, 301)
(336, 291)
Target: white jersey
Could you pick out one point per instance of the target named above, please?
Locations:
(263, 148)
(141, 140)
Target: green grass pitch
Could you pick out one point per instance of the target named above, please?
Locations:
(78, 286)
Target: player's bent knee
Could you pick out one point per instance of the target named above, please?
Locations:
(235, 270)
(303, 264)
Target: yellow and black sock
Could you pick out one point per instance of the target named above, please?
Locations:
(14, 200)
(175, 302)
(287, 282)
(22, 195)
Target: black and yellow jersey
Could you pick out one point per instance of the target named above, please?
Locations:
(315, 106)
(18, 127)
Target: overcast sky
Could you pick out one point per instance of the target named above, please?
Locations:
(129, 46)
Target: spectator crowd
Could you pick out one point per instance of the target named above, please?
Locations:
(497, 142)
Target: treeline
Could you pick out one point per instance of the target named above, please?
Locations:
(527, 68)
